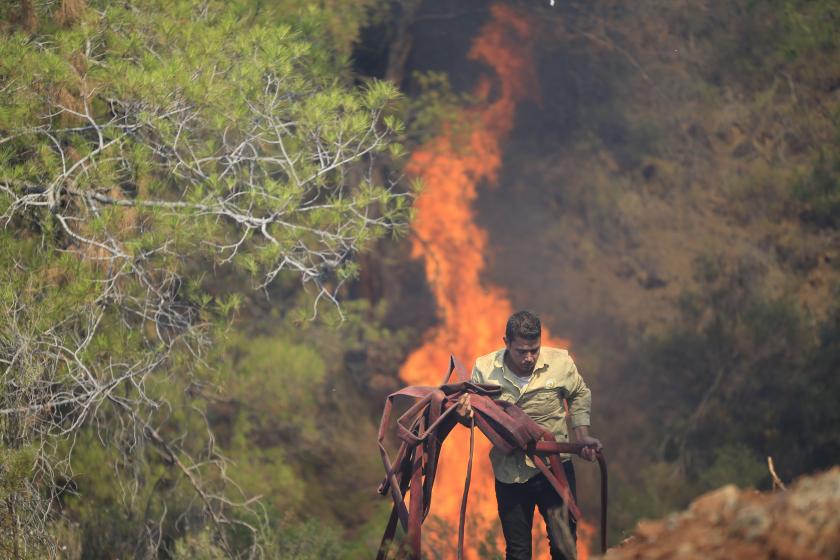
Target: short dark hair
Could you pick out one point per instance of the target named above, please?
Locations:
(523, 324)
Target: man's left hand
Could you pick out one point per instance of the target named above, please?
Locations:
(593, 446)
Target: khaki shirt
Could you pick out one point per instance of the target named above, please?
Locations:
(555, 378)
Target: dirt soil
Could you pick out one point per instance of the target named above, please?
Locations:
(801, 523)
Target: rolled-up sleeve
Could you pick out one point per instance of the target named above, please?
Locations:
(580, 399)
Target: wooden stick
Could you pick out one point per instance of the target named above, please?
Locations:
(777, 482)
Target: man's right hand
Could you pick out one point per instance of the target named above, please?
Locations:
(464, 408)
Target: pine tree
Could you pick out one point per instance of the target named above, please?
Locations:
(144, 145)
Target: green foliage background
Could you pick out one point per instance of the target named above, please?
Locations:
(721, 114)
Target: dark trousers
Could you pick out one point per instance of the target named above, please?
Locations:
(516, 511)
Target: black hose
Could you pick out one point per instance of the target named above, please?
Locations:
(602, 464)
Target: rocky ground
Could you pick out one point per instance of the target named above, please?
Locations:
(801, 523)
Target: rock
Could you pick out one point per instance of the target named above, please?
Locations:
(752, 522)
(649, 530)
(625, 268)
(715, 504)
(802, 523)
(651, 280)
(744, 149)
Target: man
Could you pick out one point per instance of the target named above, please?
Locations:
(537, 380)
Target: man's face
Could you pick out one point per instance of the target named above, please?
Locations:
(523, 354)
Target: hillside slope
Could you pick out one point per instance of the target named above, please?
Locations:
(670, 204)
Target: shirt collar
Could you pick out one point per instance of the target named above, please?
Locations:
(499, 361)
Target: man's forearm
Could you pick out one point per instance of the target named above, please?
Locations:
(581, 432)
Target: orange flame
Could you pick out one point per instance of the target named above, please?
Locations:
(472, 313)
(585, 534)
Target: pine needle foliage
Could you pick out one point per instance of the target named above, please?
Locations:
(144, 145)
